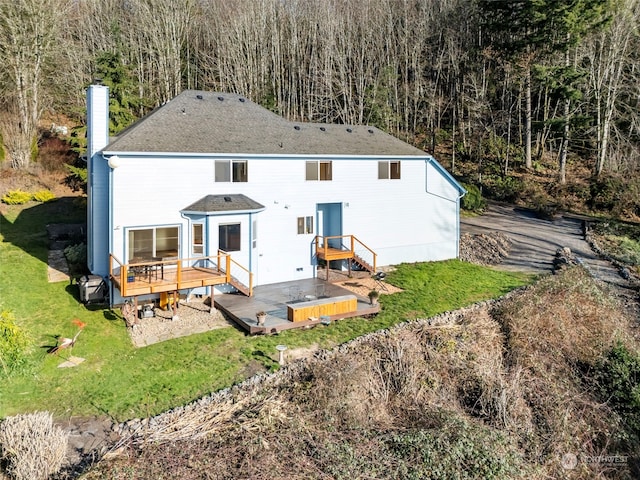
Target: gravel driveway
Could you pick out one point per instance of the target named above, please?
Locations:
(535, 242)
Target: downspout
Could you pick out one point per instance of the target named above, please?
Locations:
(111, 289)
(189, 232)
(250, 245)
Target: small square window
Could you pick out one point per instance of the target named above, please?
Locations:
(388, 170)
(305, 225)
(319, 170)
(231, 171)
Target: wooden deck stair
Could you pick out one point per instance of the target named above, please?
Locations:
(363, 263)
(351, 249)
(241, 287)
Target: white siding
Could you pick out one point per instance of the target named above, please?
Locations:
(402, 220)
(97, 180)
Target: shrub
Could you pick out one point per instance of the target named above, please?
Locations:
(457, 449)
(617, 377)
(43, 196)
(13, 344)
(473, 200)
(506, 189)
(16, 197)
(77, 177)
(31, 446)
(76, 254)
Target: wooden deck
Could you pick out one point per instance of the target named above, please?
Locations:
(168, 281)
(151, 276)
(275, 300)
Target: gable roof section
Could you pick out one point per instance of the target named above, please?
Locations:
(225, 123)
(234, 203)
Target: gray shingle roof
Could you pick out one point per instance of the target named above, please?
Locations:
(219, 123)
(224, 203)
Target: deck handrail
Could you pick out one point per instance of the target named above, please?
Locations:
(230, 263)
(352, 240)
(222, 262)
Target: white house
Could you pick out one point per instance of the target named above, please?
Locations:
(216, 182)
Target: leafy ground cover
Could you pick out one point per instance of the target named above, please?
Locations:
(621, 240)
(122, 382)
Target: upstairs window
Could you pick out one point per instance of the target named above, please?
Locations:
(388, 170)
(318, 171)
(231, 171)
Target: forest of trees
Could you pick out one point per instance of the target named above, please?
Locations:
(512, 79)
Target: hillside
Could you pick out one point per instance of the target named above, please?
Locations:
(502, 389)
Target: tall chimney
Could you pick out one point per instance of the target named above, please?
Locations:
(97, 180)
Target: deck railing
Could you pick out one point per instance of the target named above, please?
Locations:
(349, 244)
(221, 263)
(236, 272)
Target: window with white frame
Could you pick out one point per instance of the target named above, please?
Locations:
(305, 225)
(197, 246)
(319, 170)
(231, 171)
(254, 234)
(389, 170)
(154, 242)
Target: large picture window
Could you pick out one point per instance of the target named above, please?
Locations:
(388, 170)
(154, 242)
(231, 171)
(229, 237)
(318, 170)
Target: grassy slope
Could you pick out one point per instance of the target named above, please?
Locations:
(122, 382)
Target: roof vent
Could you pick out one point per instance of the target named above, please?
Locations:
(370, 131)
(227, 199)
(221, 98)
(323, 129)
(241, 99)
(184, 111)
(349, 130)
(296, 127)
(199, 97)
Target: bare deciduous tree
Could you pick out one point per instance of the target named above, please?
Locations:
(29, 30)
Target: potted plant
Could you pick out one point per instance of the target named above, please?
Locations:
(373, 297)
(261, 316)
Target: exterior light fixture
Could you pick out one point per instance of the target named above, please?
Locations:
(114, 161)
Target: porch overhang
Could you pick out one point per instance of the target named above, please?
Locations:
(223, 204)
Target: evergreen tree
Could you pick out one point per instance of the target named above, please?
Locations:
(125, 105)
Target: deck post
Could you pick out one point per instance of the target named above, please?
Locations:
(174, 306)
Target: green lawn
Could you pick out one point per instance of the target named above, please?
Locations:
(123, 382)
